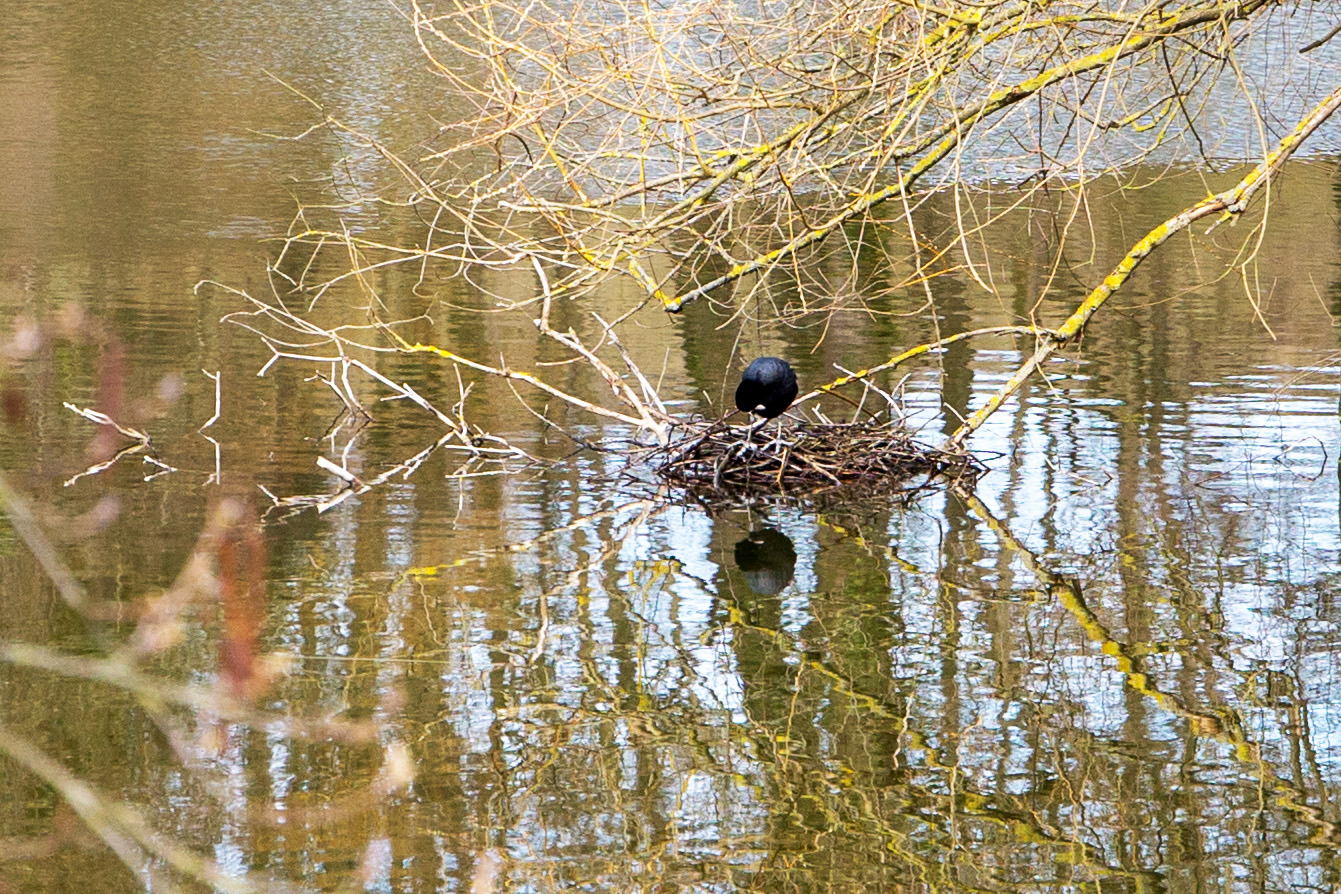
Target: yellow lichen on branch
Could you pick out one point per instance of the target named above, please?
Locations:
(1228, 203)
(918, 351)
(941, 141)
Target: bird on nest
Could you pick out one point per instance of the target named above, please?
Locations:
(767, 388)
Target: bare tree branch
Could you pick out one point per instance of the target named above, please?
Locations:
(1228, 204)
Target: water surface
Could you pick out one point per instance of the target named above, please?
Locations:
(1115, 665)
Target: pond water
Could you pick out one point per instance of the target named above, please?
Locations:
(1115, 665)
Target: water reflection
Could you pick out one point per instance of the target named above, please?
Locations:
(767, 560)
(1114, 667)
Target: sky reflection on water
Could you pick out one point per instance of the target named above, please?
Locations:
(1120, 667)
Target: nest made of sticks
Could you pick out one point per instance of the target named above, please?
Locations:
(874, 457)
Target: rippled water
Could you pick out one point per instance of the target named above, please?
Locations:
(1115, 665)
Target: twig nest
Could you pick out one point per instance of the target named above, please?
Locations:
(872, 457)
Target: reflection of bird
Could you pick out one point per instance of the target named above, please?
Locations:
(767, 560)
(767, 389)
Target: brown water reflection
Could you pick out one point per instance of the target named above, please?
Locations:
(1116, 666)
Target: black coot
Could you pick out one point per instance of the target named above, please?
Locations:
(767, 388)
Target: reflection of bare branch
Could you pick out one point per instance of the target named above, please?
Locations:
(103, 466)
(940, 809)
(127, 833)
(1223, 723)
(461, 438)
(142, 442)
(216, 378)
(357, 486)
(104, 419)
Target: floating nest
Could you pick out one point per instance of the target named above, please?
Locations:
(873, 458)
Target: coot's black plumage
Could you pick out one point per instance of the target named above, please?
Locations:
(767, 388)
